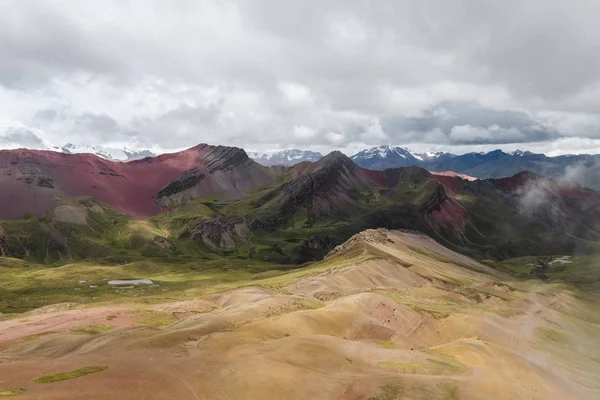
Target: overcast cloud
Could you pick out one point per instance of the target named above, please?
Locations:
(451, 75)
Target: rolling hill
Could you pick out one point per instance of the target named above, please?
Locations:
(387, 315)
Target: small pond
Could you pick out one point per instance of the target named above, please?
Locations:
(130, 282)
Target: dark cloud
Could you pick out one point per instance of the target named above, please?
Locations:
(463, 123)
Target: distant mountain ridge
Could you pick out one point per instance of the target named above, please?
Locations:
(108, 153)
(585, 168)
(287, 157)
(384, 157)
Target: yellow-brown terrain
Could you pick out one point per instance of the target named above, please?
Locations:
(387, 315)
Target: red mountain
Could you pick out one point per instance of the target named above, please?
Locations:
(35, 182)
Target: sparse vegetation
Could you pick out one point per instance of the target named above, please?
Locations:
(155, 318)
(446, 366)
(552, 334)
(388, 392)
(92, 329)
(386, 344)
(449, 391)
(11, 392)
(63, 376)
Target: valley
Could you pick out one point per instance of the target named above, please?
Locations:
(202, 274)
(269, 200)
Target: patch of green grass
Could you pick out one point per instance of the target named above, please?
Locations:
(435, 309)
(455, 280)
(92, 329)
(294, 305)
(63, 376)
(552, 334)
(445, 366)
(443, 391)
(11, 392)
(388, 392)
(581, 270)
(449, 391)
(409, 368)
(509, 312)
(155, 318)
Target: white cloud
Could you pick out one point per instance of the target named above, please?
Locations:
(265, 74)
(295, 93)
(334, 138)
(303, 132)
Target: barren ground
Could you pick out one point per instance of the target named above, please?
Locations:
(391, 315)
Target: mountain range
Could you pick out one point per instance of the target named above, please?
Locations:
(584, 168)
(284, 157)
(384, 157)
(194, 258)
(217, 200)
(108, 153)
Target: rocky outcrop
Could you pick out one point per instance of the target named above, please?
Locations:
(3, 244)
(435, 200)
(222, 234)
(319, 242)
(368, 236)
(186, 181)
(161, 242)
(223, 158)
(224, 172)
(45, 182)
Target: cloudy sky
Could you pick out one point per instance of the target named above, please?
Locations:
(466, 75)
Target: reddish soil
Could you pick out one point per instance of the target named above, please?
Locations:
(452, 216)
(33, 181)
(454, 174)
(452, 180)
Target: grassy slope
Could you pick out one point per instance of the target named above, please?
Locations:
(283, 231)
(25, 286)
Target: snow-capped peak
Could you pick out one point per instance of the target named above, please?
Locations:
(431, 155)
(284, 157)
(520, 153)
(108, 153)
(384, 151)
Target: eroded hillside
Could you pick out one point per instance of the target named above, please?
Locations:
(387, 315)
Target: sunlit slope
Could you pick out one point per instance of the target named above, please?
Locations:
(387, 315)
